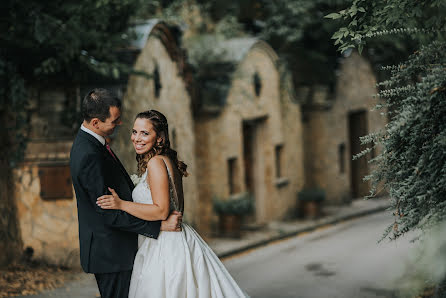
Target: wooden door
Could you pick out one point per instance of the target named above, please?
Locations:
(358, 168)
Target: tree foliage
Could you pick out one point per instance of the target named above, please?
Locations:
(412, 164)
(367, 19)
(58, 42)
(295, 29)
(299, 33)
(44, 44)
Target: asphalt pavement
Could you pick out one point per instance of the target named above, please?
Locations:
(339, 261)
(229, 249)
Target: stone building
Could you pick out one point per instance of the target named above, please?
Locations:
(244, 135)
(248, 135)
(234, 120)
(159, 55)
(333, 124)
(45, 199)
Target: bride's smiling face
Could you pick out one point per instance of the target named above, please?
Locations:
(143, 136)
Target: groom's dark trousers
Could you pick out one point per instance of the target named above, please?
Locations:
(114, 284)
(108, 238)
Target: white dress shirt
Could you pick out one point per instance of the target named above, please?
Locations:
(98, 137)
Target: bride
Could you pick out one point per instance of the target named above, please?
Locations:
(177, 264)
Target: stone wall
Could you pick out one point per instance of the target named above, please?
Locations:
(46, 203)
(48, 226)
(259, 134)
(292, 129)
(273, 120)
(326, 126)
(173, 101)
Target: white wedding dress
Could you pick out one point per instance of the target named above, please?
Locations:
(177, 264)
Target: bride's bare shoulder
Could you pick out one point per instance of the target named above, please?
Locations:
(156, 163)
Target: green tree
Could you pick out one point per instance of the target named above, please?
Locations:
(412, 165)
(296, 29)
(44, 43)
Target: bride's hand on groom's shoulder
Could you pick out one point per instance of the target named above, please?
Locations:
(173, 222)
(110, 201)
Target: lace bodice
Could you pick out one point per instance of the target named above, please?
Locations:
(141, 193)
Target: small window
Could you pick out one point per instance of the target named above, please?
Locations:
(279, 162)
(341, 152)
(55, 182)
(257, 83)
(233, 176)
(156, 82)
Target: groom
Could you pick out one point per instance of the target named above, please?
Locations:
(108, 238)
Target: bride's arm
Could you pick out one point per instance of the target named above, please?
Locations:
(159, 187)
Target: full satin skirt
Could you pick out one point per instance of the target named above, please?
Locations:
(180, 264)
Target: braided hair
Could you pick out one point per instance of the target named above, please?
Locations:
(161, 128)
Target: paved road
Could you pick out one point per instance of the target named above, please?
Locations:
(340, 261)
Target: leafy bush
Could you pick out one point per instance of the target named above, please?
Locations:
(412, 164)
(239, 204)
(311, 194)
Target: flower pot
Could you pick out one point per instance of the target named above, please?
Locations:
(311, 209)
(309, 203)
(230, 225)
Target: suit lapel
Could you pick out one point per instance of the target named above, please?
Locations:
(108, 156)
(89, 137)
(121, 167)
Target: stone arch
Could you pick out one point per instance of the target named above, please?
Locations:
(158, 50)
(243, 134)
(332, 129)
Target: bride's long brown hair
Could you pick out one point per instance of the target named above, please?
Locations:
(161, 128)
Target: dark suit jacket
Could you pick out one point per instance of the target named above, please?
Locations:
(108, 238)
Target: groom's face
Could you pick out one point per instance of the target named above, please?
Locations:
(108, 127)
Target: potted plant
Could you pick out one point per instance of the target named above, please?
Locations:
(310, 202)
(231, 211)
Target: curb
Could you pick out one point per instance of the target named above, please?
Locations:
(282, 236)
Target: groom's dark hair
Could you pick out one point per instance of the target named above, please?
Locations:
(97, 103)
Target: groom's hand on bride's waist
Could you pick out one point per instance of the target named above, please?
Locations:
(173, 222)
